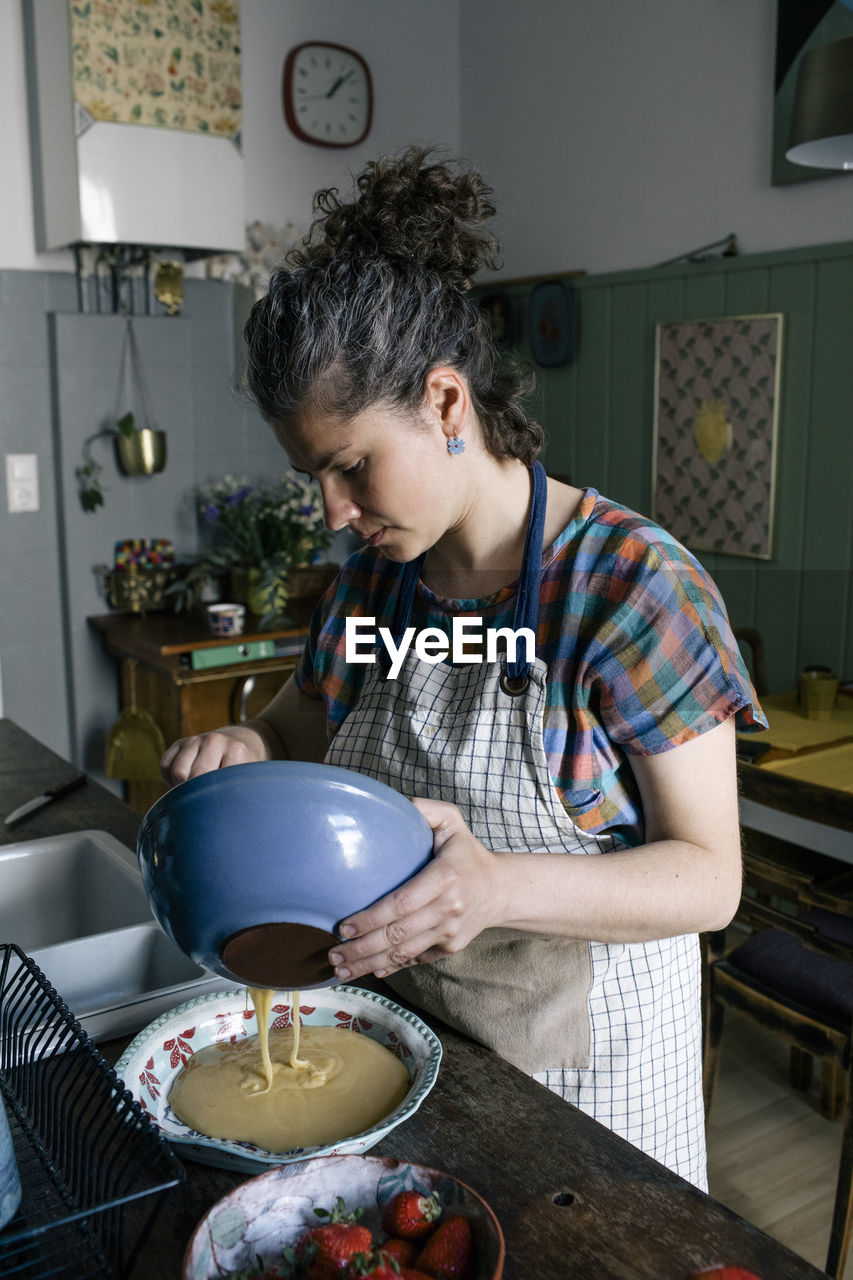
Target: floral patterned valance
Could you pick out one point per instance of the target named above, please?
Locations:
(171, 64)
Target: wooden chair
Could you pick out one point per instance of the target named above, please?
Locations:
(793, 974)
(756, 661)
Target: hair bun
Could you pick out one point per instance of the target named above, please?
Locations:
(412, 210)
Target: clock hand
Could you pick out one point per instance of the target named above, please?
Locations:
(340, 80)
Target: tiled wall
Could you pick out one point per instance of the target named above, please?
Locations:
(59, 374)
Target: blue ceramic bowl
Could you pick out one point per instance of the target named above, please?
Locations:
(250, 869)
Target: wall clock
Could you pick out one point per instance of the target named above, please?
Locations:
(328, 94)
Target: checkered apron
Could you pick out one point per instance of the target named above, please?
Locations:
(613, 1028)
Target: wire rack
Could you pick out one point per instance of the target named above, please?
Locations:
(94, 1169)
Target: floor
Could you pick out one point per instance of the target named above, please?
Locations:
(772, 1157)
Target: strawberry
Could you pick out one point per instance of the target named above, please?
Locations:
(403, 1252)
(379, 1266)
(449, 1252)
(328, 1250)
(372, 1266)
(411, 1215)
(725, 1272)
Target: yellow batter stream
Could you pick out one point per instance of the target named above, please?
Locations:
(260, 1090)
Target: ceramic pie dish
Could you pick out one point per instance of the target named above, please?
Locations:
(153, 1060)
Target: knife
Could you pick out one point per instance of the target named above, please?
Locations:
(53, 793)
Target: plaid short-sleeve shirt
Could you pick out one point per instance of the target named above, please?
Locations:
(634, 633)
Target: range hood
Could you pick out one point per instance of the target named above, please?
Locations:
(111, 170)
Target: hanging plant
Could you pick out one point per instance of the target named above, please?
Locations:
(91, 490)
(141, 450)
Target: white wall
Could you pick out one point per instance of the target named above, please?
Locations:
(411, 47)
(620, 135)
(17, 240)
(616, 134)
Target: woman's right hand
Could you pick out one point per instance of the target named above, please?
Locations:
(189, 757)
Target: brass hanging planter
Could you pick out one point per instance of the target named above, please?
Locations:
(141, 450)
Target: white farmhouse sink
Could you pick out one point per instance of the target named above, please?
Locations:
(75, 904)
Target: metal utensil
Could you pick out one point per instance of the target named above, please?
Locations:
(52, 793)
(135, 742)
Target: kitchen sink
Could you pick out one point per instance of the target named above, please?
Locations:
(69, 886)
(75, 904)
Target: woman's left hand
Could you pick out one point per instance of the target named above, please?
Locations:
(434, 914)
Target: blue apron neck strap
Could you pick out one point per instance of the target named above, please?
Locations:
(406, 599)
(526, 612)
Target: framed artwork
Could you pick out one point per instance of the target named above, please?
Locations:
(499, 311)
(552, 323)
(715, 428)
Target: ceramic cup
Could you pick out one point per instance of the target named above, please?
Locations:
(817, 691)
(226, 619)
(10, 1182)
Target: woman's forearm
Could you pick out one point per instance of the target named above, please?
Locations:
(630, 895)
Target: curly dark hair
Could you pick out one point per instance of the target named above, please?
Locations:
(377, 295)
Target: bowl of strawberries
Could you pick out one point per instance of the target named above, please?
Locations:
(348, 1218)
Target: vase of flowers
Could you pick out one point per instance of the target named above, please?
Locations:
(262, 535)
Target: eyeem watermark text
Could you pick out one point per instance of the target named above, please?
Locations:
(465, 643)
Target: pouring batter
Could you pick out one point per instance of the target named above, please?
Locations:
(262, 998)
(584, 803)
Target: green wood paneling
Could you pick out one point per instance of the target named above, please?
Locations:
(630, 442)
(592, 428)
(828, 513)
(598, 414)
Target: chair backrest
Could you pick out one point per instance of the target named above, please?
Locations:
(807, 895)
(755, 660)
(795, 904)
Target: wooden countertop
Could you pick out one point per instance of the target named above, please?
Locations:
(785, 792)
(572, 1198)
(795, 796)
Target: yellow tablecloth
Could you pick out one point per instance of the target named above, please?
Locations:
(791, 731)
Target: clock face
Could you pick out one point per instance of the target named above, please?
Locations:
(328, 97)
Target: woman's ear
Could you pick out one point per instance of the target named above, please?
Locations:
(447, 400)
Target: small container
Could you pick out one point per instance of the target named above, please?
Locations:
(226, 619)
(817, 692)
(10, 1182)
(143, 452)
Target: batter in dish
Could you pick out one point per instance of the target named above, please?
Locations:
(260, 1090)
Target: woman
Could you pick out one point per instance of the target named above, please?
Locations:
(615, 740)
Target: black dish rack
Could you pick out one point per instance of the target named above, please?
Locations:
(94, 1168)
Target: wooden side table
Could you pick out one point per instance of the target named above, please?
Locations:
(163, 668)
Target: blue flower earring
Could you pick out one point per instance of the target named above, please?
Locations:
(455, 444)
